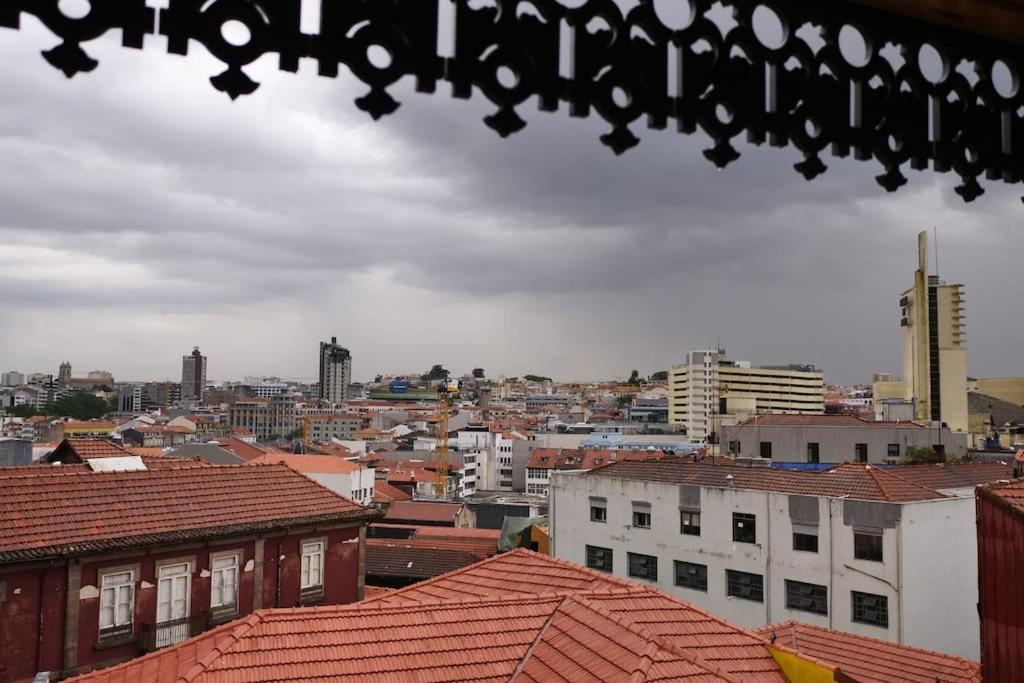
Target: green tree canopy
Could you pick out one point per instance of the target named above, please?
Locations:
(437, 372)
(660, 376)
(536, 378)
(79, 406)
(478, 373)
(634, 378)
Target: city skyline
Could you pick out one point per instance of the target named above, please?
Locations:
(418, 222)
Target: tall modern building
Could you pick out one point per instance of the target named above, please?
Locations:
(710, 386)
(12, 378)
(934, 356)
(335, 371)
(193, 376)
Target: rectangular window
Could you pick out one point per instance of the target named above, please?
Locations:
(807, 543)
(735, 447)
(806, 597)
(224, 581)
(642, 515)
(870, 609)
(598, 509)
(744, 586)
(692, 575)
(861, 452)
(813, 453)
(599, 558)
(893, 451)
(642, 566)
(689, 523)
(766, 449)
(867, 545)
(117, 603)
(744, 528)
(312, 565)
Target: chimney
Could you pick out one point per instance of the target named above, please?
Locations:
(729, 481)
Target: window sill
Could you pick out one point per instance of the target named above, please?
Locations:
(220, 615)
(312, 597)
(107, 642)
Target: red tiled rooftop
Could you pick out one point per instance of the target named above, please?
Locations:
(243, 450)
(310, 464)
(577, 459)
(954, 475)
(416, 558)
(53, 511)
(90, 448)
(840, 420)
(869, 660)
(861, 482)
(384, 492)
(594, 628)
(422, 511)
(1008, 494)
(98, 425)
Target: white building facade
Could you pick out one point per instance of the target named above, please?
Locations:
(902, 572)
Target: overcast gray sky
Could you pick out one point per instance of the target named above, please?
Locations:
(142, 212)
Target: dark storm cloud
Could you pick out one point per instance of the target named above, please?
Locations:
(138, 188)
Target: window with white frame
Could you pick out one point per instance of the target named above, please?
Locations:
(312, 565)
(224, 581)
(117, 603)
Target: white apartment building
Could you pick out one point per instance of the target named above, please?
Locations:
(709, 385)
(855, 549)
(349, 479)
(12, 378)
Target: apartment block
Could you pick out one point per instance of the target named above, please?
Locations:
(710, 389)
(856, 548)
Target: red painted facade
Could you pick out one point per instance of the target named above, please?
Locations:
(34, 597)
(1001, 591)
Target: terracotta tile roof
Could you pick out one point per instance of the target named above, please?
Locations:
(90, 448)
(95, 425)
(384, 492)
(163, 429)
(58, 510)
(311, 464)
(841, 420)
(415, 511)
(149, 451)
(861, 482)
(1009, 494)
(866, 660)
(243, 450)
(577, 459)
(370, 592)
(416, 559)
(618, 632)
(954, 475)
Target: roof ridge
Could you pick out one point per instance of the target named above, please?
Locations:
(235, 635)
(652, 637)
(888, 643)
(524, 660)
(877, 473)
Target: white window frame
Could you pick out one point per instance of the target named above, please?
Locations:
(309, 551)
(219, 574)
(116, 626)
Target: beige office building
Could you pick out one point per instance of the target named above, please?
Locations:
(710, 390)
(934, 356)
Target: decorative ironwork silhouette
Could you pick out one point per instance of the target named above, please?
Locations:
(916, 95)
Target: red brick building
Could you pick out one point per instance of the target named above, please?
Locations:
(100, 567)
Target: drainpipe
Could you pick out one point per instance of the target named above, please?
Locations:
(899, 579)
(831, 564)
(768, 558)
(277, 586)
(42, 606)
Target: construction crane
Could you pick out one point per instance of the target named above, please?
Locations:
(441, 443)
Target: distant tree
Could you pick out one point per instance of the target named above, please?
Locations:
(634, 378)
(623, 401)
(478, 373)
(437, 372)
(660, 376)
(378, 379)
(536, 378)
(295, 434)
(79, 406)
(920, 455)
(25, 410)
(112, 404)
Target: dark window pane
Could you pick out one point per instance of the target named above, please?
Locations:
(643, 566)
(766, 449)
(813, 453)
(806, 542)
(870, 609)
(806, 597)
(745, 586)
(861, 452)
(744, 528)
(689, 523)
(599, 558)
(867, 546)
(641, 519)
(893, 450)
(598, 513)
(691, 575)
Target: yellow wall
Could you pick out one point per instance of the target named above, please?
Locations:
(1007, 388)
(799, 670)
(884, 390)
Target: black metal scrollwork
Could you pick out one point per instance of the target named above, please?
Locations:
(912, 95)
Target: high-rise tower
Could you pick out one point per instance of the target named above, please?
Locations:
(193, 376)
(335, 371)
(934, 356)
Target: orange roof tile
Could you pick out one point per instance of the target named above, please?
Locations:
(417, 511)
(838, 420)
(58, 510)
(310, 464)
(861, 482)
(90, 448)
(243, 450)
(384, 492)
(573, 633)
(871, 660)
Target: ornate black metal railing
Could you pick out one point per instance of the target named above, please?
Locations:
(833, 76)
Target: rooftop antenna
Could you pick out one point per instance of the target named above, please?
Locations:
(935, 233)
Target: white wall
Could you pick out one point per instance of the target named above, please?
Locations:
(939, 576)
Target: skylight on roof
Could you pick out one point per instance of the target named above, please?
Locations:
(128, 463)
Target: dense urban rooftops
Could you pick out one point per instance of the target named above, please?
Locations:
(841, 420)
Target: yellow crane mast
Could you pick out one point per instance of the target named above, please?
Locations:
(441, 444)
